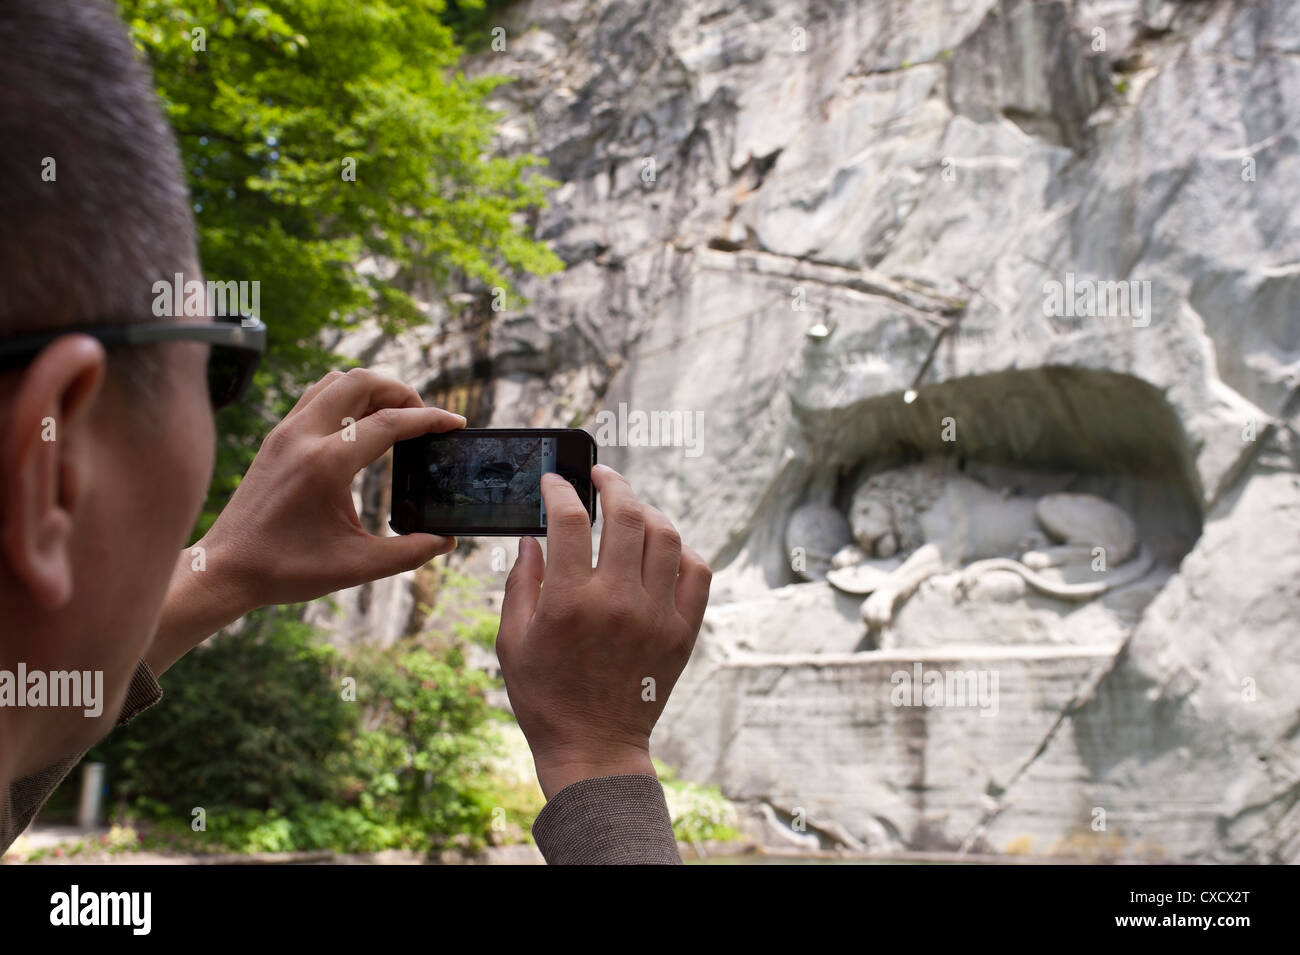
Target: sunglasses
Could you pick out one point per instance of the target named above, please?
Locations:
(237, 344)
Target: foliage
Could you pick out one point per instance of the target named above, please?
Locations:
(262, 730)
(271, 100)
(473, 20)
(417, 753)
(253, 719)
(698, 812)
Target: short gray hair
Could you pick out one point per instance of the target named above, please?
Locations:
(77, 103)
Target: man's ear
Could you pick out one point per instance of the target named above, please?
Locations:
(44, 464)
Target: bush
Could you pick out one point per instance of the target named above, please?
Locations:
(251, 720)
(418, 753)
(698, 812)
(261, 729)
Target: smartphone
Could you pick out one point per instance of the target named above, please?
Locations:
(486, 482)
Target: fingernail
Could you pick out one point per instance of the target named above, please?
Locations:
(463, 420)
(605, 467)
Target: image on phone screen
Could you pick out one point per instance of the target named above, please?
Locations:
(486, 481)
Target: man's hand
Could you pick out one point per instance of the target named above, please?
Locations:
(589, 655)
(290, 532)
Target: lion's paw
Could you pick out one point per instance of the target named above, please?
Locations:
(878, 609)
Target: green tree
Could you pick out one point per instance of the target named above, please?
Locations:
(321, 134)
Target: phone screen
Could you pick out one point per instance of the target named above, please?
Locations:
(486, 481)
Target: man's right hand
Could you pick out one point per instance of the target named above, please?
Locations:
(590, 655)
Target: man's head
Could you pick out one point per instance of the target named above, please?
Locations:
(104, 459)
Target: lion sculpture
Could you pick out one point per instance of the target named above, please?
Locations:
(939, 520)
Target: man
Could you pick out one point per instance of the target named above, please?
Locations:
(106, 452)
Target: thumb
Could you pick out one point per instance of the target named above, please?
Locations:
(391, 555)
(523, 588)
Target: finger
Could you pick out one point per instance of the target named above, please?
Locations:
(568, 533)
(377, 432)
(523, 588)
(355, 395)
(385, 556)
(312, 390)
(693, 579)
(623, 537)
(661, 555)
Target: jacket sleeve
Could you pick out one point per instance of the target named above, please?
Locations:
(608, 820)
(24, 797)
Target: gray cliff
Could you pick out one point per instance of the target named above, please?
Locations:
(1071, 230)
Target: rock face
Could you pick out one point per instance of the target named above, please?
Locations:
(1050, 245)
